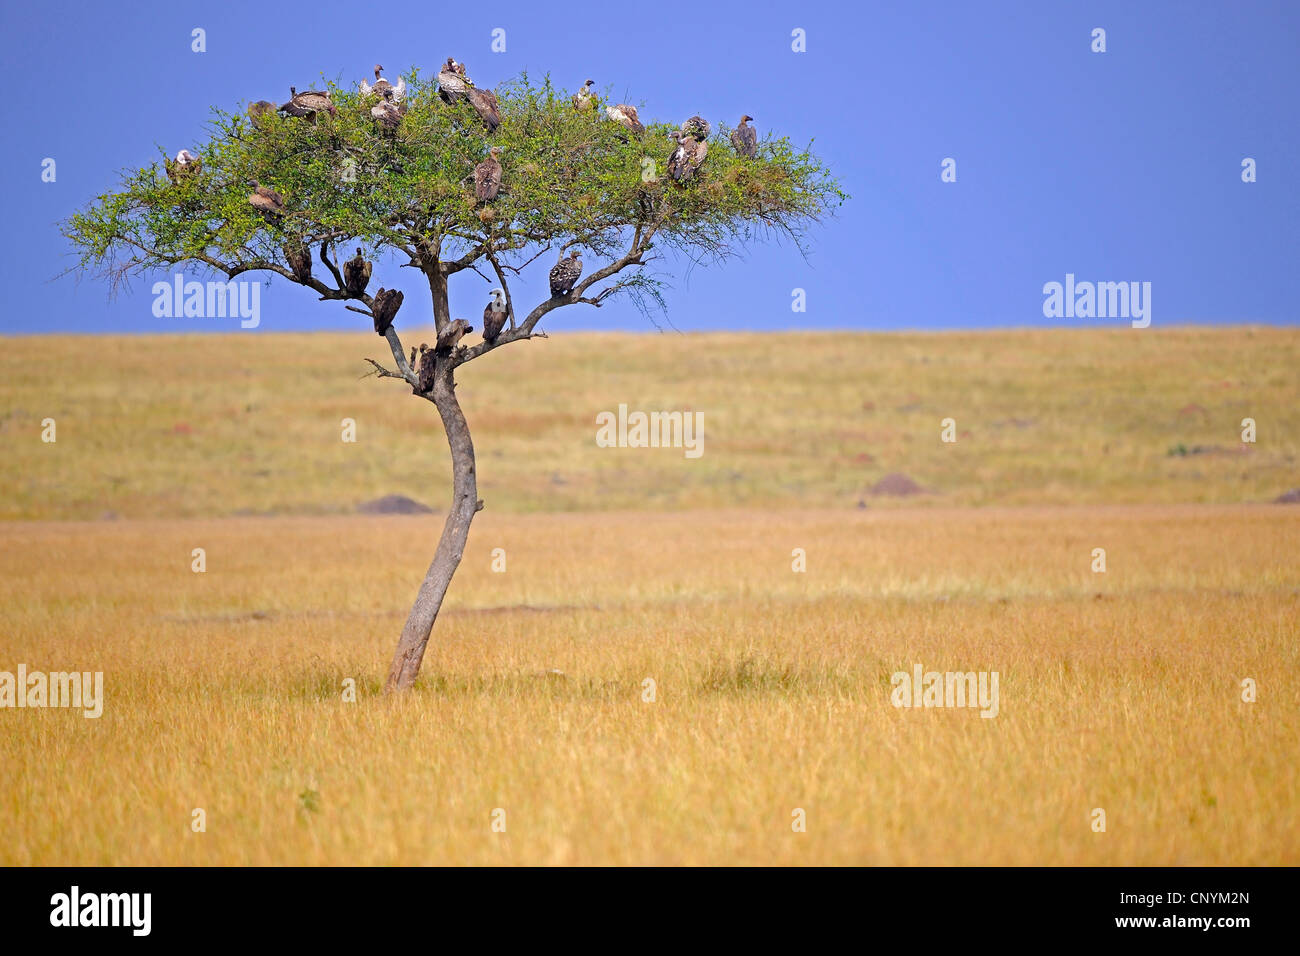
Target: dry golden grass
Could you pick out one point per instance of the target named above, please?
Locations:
(201, 426)
(1118, 690)
(224, 689)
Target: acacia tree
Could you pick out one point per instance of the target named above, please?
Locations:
(571, 179)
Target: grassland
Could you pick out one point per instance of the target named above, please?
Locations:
(177, 426)
(223, 690)
(1118, 690)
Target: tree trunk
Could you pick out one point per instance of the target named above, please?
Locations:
(464, 504)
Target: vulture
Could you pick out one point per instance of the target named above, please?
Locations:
(259, 111)
(625, 114)
(267, 201)
(299, 258)
(697, 127)
(485, 105)
(678, 160)
(452, 82)
(185, 165)
(309, 104)
(582, 99)
(487, 176)
(382, 85)
(745, 138)
(426, 369)
(389, 111)
(385, 306)
(494, 316)
(687, 157)
(452, 334)
(566, 273)
(356, 274)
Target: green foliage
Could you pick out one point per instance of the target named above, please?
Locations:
(569, 177)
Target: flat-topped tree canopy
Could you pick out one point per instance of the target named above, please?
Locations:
(571, 177)
(308, 190)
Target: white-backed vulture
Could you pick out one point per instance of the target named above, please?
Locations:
(266, 201)
(382, 86)
(452, 334)
(388, 112)
(487, 176)
(299, 258)
(687, 157)
(308, 104)
(566, 272)
(259, 111)
(625, 114)
(453, 85)
(583, 100)
(485, 105)
(185, 165)
(745, 138)
(494, 316)
(428, 365)
(384, 307)
(356, 274)
(697, 127)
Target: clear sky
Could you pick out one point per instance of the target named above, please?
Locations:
(1115, 166)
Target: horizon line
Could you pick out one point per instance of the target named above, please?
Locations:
(793, 330)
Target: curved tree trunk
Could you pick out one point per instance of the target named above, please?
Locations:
(464, 505)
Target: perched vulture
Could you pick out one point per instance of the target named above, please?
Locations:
(678, 160)
(686, 158)
(625, 114)
(452, 82)
(309, 104)
(452, 334)
(487, 176)
(356, 274)
(185, 165)
(697, 127)
(389, 111)
(259, 111)
(385, 306)
(485, 105)
(494, 316)
(566, 273)
(382, 85)
(267, 201)
(428, 365)
(745, 138)
(299, 258)
(582, 100)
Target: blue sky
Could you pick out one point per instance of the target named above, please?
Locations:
(1115, 166)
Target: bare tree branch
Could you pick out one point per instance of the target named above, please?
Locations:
(632, 258)
(383, 372)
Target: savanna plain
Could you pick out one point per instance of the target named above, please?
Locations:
(628, 668)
